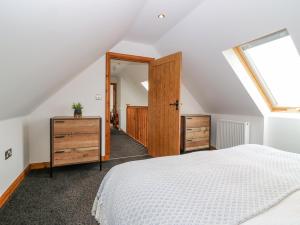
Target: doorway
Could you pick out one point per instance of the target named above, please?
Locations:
(163, 111)
(128, 103)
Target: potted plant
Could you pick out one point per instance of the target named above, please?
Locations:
(77, 110)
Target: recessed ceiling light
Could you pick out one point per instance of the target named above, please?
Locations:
(161, 16)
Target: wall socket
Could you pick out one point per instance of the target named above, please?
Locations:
(8, 154)
(98, 97)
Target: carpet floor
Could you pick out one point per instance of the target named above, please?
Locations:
(124, 146)
(67, 198)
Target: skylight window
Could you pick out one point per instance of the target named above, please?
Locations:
(274, 63)
(145, 84)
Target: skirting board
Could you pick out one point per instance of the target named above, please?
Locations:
(45, 165)
(38, 166)
(10, 190)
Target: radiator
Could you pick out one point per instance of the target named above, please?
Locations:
(232, 133)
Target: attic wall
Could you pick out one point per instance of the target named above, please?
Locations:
(282, 131)
(13, 134)
(215, 26)
(83, 88)
(44, 43)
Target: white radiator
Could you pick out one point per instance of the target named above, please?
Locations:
(232, 133)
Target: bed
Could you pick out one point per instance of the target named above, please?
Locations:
(248, 185)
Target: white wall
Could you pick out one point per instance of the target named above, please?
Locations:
(131, 90)
(217, 25)
(12, 135)
(256, 126)
(132, 94)
(111, 97)
(282, 131)
(189, 103)
(45, 43)
(82, 88)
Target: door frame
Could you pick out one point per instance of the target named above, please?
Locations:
(109, 57)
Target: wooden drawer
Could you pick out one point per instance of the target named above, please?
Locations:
(197, 129)
(198, 134)
(196, 144)
(196, 122)
(74, 156)
(76, 126)
(75, 141)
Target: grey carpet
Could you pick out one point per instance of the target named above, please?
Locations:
(65, 199)
(114, 131)
(123, 146)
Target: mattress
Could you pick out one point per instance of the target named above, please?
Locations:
(248, 185)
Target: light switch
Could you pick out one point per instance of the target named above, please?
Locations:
(98, 97)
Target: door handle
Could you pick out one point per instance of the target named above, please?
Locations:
(176, 104)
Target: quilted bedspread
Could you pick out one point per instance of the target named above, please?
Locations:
(224, 187)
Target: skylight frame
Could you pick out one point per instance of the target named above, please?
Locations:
(254, 73)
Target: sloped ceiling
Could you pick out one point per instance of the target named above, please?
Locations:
(215, 26)
(147, 28)
(44, 43)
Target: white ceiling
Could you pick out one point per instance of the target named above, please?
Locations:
(118, 66)
(147, 28)
(215, 26)
(45, 43)
(135, 71)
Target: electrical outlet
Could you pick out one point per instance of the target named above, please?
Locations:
(8, 154)
(98, 97)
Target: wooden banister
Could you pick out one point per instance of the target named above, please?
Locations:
(137, 123)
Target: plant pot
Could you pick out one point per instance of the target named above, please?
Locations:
(77, 113)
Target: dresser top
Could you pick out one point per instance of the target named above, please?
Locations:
(194, 115)
(73, 118)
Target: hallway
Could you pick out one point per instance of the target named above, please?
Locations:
(123, 146)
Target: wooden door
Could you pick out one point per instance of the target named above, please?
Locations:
(163, 106)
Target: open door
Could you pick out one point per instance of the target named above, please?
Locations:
(163, 106)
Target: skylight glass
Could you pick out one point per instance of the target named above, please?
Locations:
(276, 62)
(145, 84)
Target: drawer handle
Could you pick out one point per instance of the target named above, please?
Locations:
(61, 151)
(189, 140)
(62, 136)
(189, 118)
(189, 129)
(59, 121)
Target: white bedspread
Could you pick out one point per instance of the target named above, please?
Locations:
(225, 187)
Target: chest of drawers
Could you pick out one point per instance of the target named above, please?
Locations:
(74, 141)
(195, 132)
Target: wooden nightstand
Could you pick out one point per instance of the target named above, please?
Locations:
(74, 141)
(195, 132)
